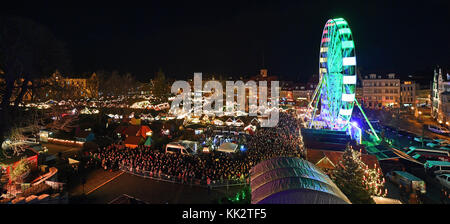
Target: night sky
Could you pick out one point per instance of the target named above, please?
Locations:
(232, 38)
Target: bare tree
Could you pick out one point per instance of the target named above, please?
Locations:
(27, 51)
(160, 88)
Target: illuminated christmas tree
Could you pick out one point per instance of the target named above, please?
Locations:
(374, 181)
(350, 177)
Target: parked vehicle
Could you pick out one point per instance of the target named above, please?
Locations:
(182, 147)
(444, 179)
(425, 140)
(408, 181)
(438, 130)
(437, 167)
(424, 155)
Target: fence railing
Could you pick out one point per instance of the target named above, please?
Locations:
(188, 181)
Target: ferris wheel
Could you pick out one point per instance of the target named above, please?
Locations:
(337, 79)
(337, 75)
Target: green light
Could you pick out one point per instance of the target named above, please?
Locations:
(367, 120)
(348, 44)
(345, 31)
(341, 23)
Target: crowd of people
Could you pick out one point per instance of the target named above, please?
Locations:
(265, 143)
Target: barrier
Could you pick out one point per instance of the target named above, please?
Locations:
(188, 181)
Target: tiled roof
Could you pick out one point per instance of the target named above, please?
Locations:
(133, 140)
(314, 156)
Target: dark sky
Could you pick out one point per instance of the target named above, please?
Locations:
(231, 37)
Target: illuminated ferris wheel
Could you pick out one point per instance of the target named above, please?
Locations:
(337, 80)
(337, 75)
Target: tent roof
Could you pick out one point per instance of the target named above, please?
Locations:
(133, 140)
(227, 147)
(143, 130)
(291, 180)
(148, 142)
(255, 121)
(120, 129)
(132, 130)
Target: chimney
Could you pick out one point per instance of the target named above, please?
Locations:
(263, 73)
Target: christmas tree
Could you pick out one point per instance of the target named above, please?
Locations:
(374, 181)
(350, 177)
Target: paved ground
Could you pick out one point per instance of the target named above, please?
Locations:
(154, 192)
(410, 123)
(414, 125)
(101, 187)
(94, 180)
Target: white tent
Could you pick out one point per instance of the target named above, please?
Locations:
(229, 122)
(195, 120)
(228, 147)
(238, 123)
(250, 127)
(255, 121)
(217, 122)
(141, 104)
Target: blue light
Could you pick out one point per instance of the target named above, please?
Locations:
(243, 149)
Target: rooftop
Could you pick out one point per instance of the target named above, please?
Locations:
(291, 180)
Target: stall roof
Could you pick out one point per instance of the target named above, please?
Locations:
(228, 147)
(317, 156)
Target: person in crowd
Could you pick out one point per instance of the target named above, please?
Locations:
(265, 143)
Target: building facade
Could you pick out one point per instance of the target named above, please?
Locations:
(441, 84)
(440, 97)
(301, 94)
(82, 87)
(287, 94)
(443, 116)
(408, 94)
(381, 92)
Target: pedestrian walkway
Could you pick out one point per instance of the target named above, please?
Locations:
(94, 180)
(156, 192)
